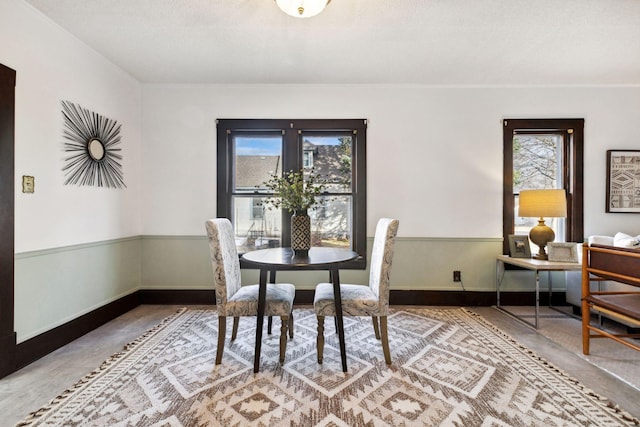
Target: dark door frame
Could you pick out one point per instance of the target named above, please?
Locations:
(7, 203)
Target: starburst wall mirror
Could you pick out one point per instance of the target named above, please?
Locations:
(92, 142)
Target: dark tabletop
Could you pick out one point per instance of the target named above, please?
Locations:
(284, 258)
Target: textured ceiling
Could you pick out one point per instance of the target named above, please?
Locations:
(435, 42)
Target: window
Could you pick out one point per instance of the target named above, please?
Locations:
(250, 151)
(307, 159)
(538, 163)
(539, 154)
(257, 208)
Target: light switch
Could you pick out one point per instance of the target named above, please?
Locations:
(28, 184)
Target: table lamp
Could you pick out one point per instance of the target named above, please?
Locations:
(541, 204)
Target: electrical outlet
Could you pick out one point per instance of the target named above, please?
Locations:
(457, 277)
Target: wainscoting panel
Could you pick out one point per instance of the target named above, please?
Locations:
(183, 262)
(55, 286)
(176, 262)
(62, 293)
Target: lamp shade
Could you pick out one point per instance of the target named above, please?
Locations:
(543, 203)
(302, 8)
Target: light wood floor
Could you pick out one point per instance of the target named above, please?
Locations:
(34, 386)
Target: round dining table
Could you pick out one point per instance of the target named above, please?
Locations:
(317, 258)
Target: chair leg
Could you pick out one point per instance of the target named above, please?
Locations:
(586, 321)
(269, 323)
(320, 338)
(376, 328)
(222, 330)
(291, 325)
(385, 339)
(283, 337)
(234, 331)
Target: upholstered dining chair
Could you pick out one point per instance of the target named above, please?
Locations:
(363, 300)
(234, 300)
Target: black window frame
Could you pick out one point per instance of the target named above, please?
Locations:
(292, 159)
(573, 171)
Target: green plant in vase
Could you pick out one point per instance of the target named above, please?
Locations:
(297, 192)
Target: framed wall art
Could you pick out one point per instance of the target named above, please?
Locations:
(519, 246)
(623, 181)
(563, 251)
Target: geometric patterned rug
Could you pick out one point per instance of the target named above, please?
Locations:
(565, 329)
(450, 367)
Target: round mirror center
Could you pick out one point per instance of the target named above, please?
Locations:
(96, 149)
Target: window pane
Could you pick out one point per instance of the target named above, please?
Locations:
(537, 161)
(255, 226)
(331, 223)
(257, 157)
(537, 164)
(331, 157)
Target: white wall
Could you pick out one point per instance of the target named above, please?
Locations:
(52, 66)
(434, 154)
(434, 162)
(53, 286)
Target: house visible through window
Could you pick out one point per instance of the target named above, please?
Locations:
(251, 151)
(543, 154)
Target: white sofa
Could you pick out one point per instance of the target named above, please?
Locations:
(574, 279)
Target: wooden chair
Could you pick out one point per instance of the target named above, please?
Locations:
(235, 300)
(617, 264)
(363, 300)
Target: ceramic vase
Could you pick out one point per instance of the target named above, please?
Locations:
(300, 233)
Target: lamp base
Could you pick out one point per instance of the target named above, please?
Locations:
(541, 234)
(541, 255)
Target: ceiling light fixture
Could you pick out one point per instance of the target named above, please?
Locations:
(302, 8)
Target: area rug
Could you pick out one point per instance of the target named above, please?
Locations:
(620, 361)
(450, 368)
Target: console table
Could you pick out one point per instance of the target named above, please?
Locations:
(536, 266)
